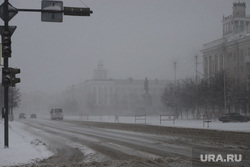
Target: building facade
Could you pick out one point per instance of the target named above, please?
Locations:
(105, 96)
(121, 96)
(231, 53)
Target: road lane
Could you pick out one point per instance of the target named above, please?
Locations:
(119, 145)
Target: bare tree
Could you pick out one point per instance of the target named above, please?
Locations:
(14, 100)
(209, 94)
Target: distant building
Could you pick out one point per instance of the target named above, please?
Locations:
(231, 53)
(101, 95)
(100, 73)
(120, 95)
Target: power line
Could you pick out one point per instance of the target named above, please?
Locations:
(83, 3)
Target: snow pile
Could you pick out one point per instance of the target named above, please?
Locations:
(23, 148)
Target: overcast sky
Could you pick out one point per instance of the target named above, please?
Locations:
(133, 38)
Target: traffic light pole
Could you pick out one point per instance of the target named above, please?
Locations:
(6, 88)
(6, 109)
(7, 12)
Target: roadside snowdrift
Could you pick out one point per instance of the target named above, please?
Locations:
(23, 148)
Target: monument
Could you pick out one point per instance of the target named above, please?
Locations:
(147, 98)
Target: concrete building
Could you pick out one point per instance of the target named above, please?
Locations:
(231, 53)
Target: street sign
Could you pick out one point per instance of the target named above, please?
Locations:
(54, 11)
(11, 12)
(77, 11)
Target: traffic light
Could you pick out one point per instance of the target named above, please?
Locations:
(6, 43)
(6, 78)
(77, 11)
(13, 72)
(9, 76)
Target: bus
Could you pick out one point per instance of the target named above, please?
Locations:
(56, 113)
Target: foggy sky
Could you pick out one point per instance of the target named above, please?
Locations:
(133, 38)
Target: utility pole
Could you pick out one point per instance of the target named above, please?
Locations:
(175, 82)
(52, 11)
(6, 73)
(175, 89)
(196, 69)
(196, 84)
(224, 75)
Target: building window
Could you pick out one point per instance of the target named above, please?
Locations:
(229, 56)
(215, 63)
(206, 66)
(241, 54)
(241, 26)
(235, 71)
(248, 67)
(221, 61)
(210, 65)
(247, 26)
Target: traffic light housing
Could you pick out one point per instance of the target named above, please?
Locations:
(9, 76)
(6, 43)
(6, 77)
(15, 80)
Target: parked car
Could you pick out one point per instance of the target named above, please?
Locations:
(233, 117)
(22, 116)
(33, 116)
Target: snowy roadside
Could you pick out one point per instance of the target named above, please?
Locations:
(27, 148)
(180, 123)
(24, 148)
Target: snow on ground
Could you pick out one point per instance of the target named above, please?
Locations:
(215, 124)
(23, 148)
(26, 148)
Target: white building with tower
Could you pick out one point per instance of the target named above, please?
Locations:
(231, 53)
(103, 95)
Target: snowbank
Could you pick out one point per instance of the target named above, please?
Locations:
(23, 148)
(155, 120)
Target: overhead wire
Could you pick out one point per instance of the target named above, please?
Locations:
(83, 3)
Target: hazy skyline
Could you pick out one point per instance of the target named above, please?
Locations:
(133, 38)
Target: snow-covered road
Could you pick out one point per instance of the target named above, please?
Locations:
(117, 144)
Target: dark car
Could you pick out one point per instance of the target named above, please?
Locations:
(33, 116)
(248, 117)
(233, 117)
(22, 116)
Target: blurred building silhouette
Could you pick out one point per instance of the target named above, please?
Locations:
(103, 95)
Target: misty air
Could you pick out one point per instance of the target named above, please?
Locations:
(125, 83)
